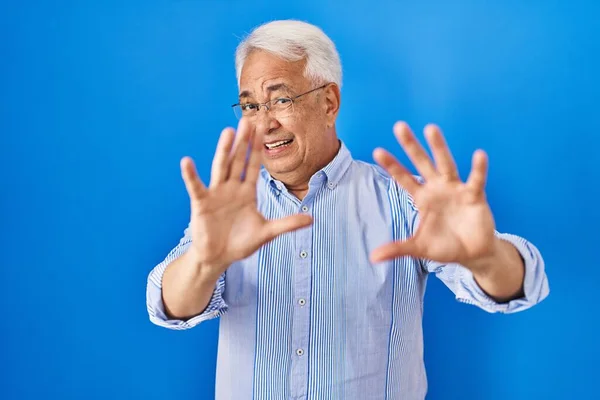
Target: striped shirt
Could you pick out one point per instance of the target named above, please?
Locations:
(308, 316)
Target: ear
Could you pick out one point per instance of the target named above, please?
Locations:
(332, 102)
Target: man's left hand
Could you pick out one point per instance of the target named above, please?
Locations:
(456, 223)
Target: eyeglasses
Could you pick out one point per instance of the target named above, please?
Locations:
(279, 107)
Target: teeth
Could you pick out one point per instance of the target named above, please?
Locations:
(277, 144)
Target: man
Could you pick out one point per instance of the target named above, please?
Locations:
(317, 264)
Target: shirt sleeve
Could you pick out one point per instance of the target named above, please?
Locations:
(461, 282)
(154, 301)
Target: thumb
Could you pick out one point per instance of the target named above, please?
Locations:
(276, 227)
(394, 250)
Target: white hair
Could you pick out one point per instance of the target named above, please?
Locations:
(292, 41)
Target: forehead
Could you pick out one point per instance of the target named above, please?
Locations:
(262, 69)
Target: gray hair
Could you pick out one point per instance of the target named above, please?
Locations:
(292, 41)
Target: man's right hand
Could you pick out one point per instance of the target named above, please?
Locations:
(225, 223)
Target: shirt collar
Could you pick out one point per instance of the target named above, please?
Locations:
(333, 172)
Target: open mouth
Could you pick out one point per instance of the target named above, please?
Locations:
(275, 145)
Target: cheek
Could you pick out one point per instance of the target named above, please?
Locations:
(295, 125)
(306, 128)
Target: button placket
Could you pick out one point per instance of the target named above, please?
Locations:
(301, 313)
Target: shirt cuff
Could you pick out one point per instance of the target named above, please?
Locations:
(156, 309)
(535, 285)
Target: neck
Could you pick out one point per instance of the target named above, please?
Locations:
(300, 192)
(298, 184)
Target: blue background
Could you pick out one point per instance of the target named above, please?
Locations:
(99, 101)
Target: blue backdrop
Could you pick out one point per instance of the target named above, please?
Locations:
(99, 101)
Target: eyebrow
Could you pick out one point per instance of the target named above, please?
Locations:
(271, 88)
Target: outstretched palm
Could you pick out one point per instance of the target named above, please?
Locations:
(225, 223)
(456, 223)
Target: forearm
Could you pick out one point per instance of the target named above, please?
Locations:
(500, 275)
(187, 287)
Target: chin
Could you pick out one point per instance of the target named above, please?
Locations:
(281, 166)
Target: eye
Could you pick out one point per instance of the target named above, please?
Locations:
(282, 101)
(249, 107)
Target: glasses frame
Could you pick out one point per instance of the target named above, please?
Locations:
(267, 105)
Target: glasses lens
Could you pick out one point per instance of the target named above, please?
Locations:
(283, 107)
(237, 110)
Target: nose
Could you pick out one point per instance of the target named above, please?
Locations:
(264, 122)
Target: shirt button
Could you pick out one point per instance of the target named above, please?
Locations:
(303, 254)
(302, 302)
(300, 352)
(304, 208)
(331, 185)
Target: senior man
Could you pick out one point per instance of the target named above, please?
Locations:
(317, 264)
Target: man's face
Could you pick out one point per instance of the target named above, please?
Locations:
(293, 140)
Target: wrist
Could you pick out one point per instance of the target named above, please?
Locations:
(206, 273)
(501, 275)
(485, 264)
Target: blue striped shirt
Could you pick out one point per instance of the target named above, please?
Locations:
(308, 316)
